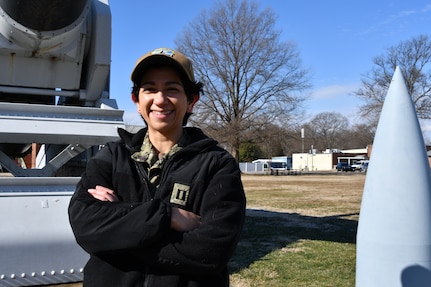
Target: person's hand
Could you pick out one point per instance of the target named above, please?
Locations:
(103, 193)
(183, 220)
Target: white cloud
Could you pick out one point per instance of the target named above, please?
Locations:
(407, 13)
(426, 8)
(396, 18)
(334, 91)
(335, 98)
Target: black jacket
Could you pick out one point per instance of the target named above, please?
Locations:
(130, 242)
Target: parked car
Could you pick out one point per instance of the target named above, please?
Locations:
(361, 165)
(344, 166)
(357, 165)
(278, 167)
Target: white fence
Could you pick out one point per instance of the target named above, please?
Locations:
(248, 167)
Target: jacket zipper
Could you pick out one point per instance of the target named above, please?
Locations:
(143, 176)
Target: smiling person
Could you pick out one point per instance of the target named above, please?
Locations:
(164, 206)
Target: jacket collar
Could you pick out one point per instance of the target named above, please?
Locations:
(134, 141)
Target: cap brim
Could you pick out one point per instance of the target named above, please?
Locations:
(154, 61)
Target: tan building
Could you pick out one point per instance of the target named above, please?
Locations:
(327, 160)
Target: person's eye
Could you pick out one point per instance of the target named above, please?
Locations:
(173, 89)
(148, 90)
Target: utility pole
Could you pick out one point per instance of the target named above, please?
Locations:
(302, 139)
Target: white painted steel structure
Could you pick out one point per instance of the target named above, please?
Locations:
(37, 246)
(54, 91)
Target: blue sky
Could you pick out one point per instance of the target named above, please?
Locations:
(337, 40)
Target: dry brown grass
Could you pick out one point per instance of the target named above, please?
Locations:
(312, 195)
(291, 222)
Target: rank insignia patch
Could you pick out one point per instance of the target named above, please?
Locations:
(180, 194)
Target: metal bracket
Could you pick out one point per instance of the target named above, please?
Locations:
(50, 168)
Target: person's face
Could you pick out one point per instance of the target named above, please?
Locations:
(163, 101)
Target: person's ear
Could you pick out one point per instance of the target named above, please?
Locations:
(192, 104)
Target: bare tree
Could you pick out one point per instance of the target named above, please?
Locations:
(413, 57)
(360, 136)
(251, 77)
(327, 130)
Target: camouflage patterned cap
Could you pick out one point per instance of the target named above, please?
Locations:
(163, 56)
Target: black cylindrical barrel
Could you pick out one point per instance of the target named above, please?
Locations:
(44, 15)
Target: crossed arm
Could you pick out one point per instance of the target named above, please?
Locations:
(181, 220)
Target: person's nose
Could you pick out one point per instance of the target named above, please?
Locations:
(160, 97)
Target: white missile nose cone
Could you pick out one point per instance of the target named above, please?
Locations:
(398, 145)
(398, 116)
(394, 230)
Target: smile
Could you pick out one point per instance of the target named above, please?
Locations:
(161, 114)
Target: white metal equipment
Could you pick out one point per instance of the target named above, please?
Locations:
(54, 92)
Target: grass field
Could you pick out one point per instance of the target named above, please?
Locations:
(300, 231)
